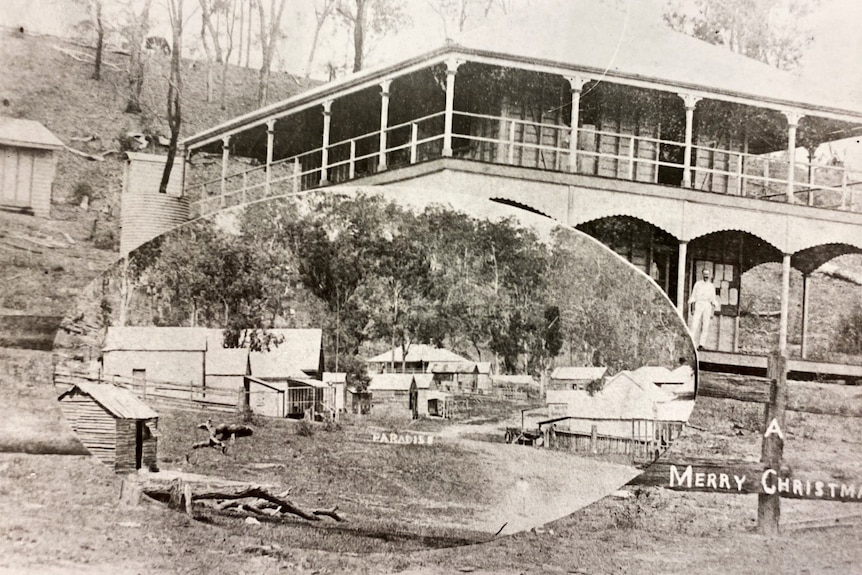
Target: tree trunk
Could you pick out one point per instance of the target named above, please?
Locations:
(136, 62)
(174, 90)
(100, 41)
(359, 35)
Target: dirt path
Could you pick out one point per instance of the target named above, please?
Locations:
(532, 486)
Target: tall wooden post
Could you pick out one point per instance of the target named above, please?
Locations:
(769, 504)
(451, 69)
(384, 122)
(577, 84)
(792, 123)
(324, 152)
(270, 141)
(690, 101)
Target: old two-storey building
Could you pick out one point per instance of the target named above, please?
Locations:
(677, 154)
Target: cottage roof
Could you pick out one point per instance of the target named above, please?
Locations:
(576, 373)
(155, 339)
(120, 402)
(419, 352)
(226, 361)
(609, 43)
(27, 134)
(299, 351)
(423, 380)
(459, 367)
(271, 364)
(391, 382)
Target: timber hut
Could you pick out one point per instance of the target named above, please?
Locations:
(27, 166)
(116, 427)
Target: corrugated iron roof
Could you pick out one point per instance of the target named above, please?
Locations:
(120, 402)
(27, 134)
(147, 338)
(608, 42)
(419, 352)
(577, 373)
(513, 380)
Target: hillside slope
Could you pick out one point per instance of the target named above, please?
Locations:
(49, 80)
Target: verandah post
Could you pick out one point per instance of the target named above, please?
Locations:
(452, 65)
(577, 85)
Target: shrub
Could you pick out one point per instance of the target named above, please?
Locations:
(79, 192)
(849, 336)
(304, 429)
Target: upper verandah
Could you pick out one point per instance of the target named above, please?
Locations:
(595, 42)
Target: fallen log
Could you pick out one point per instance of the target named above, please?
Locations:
(190, 493)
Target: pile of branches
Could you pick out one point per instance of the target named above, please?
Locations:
(241, 498)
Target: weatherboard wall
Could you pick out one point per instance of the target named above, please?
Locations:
(93, 424)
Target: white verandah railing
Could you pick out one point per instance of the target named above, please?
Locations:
(517, 142)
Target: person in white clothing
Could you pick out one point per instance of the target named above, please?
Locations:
(701, 305)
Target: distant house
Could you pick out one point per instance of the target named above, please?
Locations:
(679, 381)
(419, 357)
(27, 166)
(626, 399)
(291, 397)
(224, 373)
(575, 377)
(407, 393)
(170, 354)
(116, 427)
(300, 350)
(461, 376)
(196, 356)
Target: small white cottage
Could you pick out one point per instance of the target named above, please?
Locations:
(28, 164)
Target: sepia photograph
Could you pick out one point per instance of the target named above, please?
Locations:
(430, 286)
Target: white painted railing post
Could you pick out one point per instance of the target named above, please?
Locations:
(414, 137)
(792, 123)
(811, 171)
(690, 102)
(785, 304)
(740, 191)
(512, 142)
(384, 122)
(297, 175)
(632, 158)
(351, 170)
(844, 188)
(270, 142)
(577, 84)
(324, 152)
(452, 65)
(680, 279)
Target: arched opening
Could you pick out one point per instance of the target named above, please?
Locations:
(647, 247)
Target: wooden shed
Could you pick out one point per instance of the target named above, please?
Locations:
(116, 427)
(27, 166)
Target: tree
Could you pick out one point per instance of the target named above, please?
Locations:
(368, 20)
(270, 32)
(175, 89)
(95, 7)
(135, 32)
(323, 10)
(771, 31)
(207, 29)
